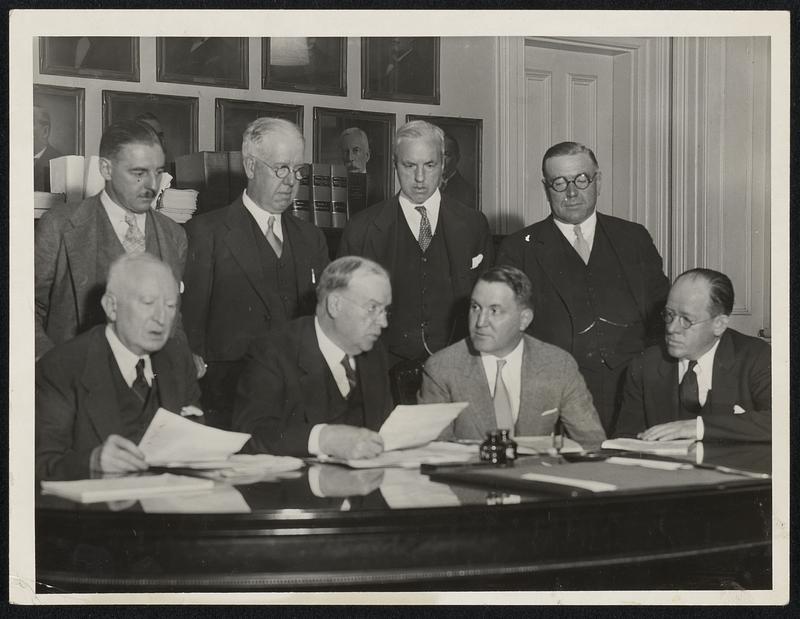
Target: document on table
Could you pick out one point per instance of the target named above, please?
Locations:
(536, 445)
(678, 447)
(122, 488)
(171, 438)
(223, 499)
(418, 424)
(436, 452)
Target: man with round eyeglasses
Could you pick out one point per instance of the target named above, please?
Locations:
(706, 381)
(598, 281)
(251, 267)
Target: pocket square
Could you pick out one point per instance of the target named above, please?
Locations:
(738, 410)
(550, 412)
(180, 288)
(191, 411)
(476, 260)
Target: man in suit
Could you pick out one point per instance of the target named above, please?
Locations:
(320, 385)
(511, 380)
(97, 393)
(706, 381)
(433, 246)
(251, 268)
(597, 280)
(43, 151)
(75, 244)
(454, 185)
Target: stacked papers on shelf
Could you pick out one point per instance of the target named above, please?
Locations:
(179, 204)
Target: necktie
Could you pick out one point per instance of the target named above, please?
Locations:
(689, 392)
(581, 246)
(352, 379)
(134, 237)
(425, 233)
(272, 239)
(502, 401)
(140, 386)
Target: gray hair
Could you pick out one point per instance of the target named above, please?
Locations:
(354, 131)
(418, 130)
(121, 274)
(337, 275)
(260, 129)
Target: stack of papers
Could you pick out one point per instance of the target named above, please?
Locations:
(437, 452)
(679, 447)
(76, 176)
(178, 204)
(124, 488)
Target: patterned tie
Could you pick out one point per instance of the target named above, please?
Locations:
(581, 246)
(502, 401)
(352, 379)
(134, 237)
(689, 392)
(272, 239)
(425, 233)
(140, 386)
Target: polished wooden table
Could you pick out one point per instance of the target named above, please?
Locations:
(396, 530)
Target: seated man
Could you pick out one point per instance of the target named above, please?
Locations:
(707, 381)
(97, 393)
(320, 385)
(510, 379)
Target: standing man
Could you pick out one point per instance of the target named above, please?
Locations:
(97, 393)
(43, 151)
(511, 380)
(251, 268)
(598, 283)
(454, 185)
(433, 246)
(76, 244)
(320, 385)
(705, 380)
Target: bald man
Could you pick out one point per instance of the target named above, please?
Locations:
(97, 393)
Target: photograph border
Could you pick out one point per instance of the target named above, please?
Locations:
(79, 95)
(103, 74)
(267, 83)
(173, 77)
(433, 98)
(223, 105)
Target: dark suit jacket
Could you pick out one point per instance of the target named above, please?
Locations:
(536, 251)
(76, 402)
(739, 403)
(373, 234)
(226, 302)
(65, 267)
(283, 391)
(41, 169)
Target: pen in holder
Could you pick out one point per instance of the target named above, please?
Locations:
(558, 438)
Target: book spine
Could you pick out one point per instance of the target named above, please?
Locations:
(338, 195)
(321, 194)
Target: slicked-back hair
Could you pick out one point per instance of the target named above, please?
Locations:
(513, 278)
(418, 130)
(126, 132)
(120, 273)
(720, 293)
(258, 133)
(567, 148)
(337, 275)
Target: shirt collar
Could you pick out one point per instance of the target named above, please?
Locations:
(432, 206)
(117, 213)
(332, 354)
(587, 228)
(127, 360)
(511, 358)
(705, 363)
(261, 216)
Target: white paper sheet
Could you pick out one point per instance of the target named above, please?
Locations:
(223, 499)
(121, 488)
(536, 445)
(419, 424)
(170, 438)
(677, 447)
(437, 452)
(405, 489)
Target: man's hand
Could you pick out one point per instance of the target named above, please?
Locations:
(337, 481)
(349, 442)
(199, 365)
(686, 428)
(117, 455)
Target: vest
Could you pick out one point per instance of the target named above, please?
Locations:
(348, 410)
(607, 327)
(279, 276)
(422, 296)
(134, 416)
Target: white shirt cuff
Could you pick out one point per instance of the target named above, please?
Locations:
(313, 439)
(313, 481)
(701, 428)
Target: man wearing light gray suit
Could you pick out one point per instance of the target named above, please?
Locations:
(511, 380)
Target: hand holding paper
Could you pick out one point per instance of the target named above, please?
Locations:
(413, 425)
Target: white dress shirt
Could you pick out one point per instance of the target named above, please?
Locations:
(116, 214)
(126, 360)
(412, 215)
(262, 217)
(512, 375)
(705, 374)
(587, 230)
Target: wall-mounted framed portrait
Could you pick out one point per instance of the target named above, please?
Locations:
(360, 140)
(463, 160)
(212, 61)
(400, 69)
(176, 116)
(110, 58)
(63, 108)
(233, 116)
(305, 64)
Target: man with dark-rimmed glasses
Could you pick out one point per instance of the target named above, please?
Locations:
(251, 268)
(598, 283)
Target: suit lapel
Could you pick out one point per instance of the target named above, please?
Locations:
(168, 251)
(101, 403)
(665, 391)
(313, 372)
(165, 381)
(628, 260)
(300, 253)
(382, 243)
(454, 232)
(544, 247)
(242, 246)
(80, 245)
(477, 388)
(724, 381)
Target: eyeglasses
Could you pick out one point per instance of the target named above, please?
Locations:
(668, 316)
(300, 172)
(373, 310)
(560, 184)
